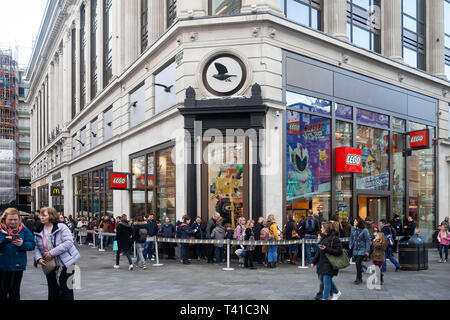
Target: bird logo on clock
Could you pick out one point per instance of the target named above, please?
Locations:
(224, 75)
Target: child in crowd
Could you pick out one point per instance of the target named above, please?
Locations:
(229, 231)
(444, 240)
(379, 245)
(218, 233)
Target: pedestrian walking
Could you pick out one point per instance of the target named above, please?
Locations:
(329, 244)
(359, 246)
(123, 237)
(209, 228)
(292, 234)
(185, 232)
(139, 237)
(249, 249)
(15, 241)
(379, 246)
(389, 234)
(273, 229)
(396, 223)
(218, 234)
(311, 227)
(168, 231)
(56, 252)
(444, 240)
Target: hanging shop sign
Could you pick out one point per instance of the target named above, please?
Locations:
(119, 181)
(348, 160)
(420, 139)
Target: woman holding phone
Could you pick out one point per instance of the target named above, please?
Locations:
(55, 252)
(15, 241)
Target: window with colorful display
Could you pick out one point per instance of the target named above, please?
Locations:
(308, 158)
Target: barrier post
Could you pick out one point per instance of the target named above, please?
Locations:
(93, 239)
(134, 249)
(303, 256)
(157, 264)
(79, 234)
(228, 257)
(101, 241)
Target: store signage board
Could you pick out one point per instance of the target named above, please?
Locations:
(348, 160)
(419, 139)
(119, 181)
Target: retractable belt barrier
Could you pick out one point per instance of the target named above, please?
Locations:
(227, 242)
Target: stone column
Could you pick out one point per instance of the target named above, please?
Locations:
(132, 32)
(189, 8)
(77, 65)
(335, 18)
(261, 5)
(391, 29)
(155, 20)
(435, 42)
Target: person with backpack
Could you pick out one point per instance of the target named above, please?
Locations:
(185, 231)
(292, 234)
(311, 230)
(389, 234)
(359, 246)
(123, 237)
(444, 240)
(329, 244)
(272, 254)
(139, 236)
(218, 234)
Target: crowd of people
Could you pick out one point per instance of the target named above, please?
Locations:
(52, 237)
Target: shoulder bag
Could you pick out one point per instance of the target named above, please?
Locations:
(338, 262)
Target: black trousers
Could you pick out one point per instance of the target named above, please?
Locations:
(169, 249)
(359, 267)
(61, 291)
(127, 254)
(210, 252)
(258, 254)
(248, 261)
(10, 285)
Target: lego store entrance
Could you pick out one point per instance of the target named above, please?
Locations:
(373, 207)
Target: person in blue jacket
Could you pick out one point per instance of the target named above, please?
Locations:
(15, 241)
(359, 246)
(186, 231)
(152, 230)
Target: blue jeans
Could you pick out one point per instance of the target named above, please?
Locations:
(199, 251)
(105, 241)
(328, 286)
(149, 250)
(390, 257)
(182, 251)
(293, 248)
(441, 246)
(308, 247)
(219, 254)
(272, 254)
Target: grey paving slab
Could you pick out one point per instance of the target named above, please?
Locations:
(202, 281)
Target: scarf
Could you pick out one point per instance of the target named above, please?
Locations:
(8, 231)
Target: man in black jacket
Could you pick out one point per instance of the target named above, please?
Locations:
(311, 227)
(209, 228)
(396, 223)
(388, 232)
(152, 230)
(410, 227)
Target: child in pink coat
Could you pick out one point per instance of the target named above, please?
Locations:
(444, 240)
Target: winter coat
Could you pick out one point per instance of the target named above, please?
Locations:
(210, 227)
(397, 225)
(258, 227)
(249, 236)
(443, 235)
(371, 228)
(63, 246)
(135, 231)
(346, 229)
(334, 247)
(379, 250)
(107, 226)
(274, 231)
(152, 228)
(123, 236)
(30, 224)
(218, 234)
(13, 258)
(289, 227)
(201, 230)
(168, 230)
(410, 228)
(239, 232)
(359, 241)
(186, 231)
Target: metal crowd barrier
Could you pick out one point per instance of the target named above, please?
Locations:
(228, 242)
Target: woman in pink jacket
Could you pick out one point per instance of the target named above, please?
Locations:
(444, 240)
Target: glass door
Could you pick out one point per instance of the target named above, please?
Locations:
(372, 208)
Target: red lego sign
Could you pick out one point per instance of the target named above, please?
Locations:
(294, 127)
(348, 160)
(119, 181)
(419, 139)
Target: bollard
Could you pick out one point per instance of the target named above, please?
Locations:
(134, 249)
(157, 264)
(101, 241)
(93, 239)
(303, 256)
(228, 257)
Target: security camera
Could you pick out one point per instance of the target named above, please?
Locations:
(253, 8)
(276, 113)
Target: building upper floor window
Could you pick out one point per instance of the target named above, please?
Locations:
(306, 12)
(413, 21)
(165, 96)
(107, 41)
(94, 66)
(83, 139)
(224, 7)
(74, 146)
(363, 23)
(107, 124)
(94, 132)
(144, 24)
(136, 107)
(171, 12)
(447, 38)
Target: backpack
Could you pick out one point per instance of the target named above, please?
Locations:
(310, 225)
(142, 235)
(265, 234)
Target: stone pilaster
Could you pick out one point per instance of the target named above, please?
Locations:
(155, 20)
(435, 42)
(335, 18)
(261, 5)
(189, 8)
(391, 31)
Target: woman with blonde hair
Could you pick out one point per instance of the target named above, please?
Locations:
(15, 241)
(272, 254)
(249, 249)
(55, 247)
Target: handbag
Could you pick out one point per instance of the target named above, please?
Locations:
(338, 262)
(50, 266)
(115, 246)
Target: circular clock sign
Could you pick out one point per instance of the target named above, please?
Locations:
(224, 75)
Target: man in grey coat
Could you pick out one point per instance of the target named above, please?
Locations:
(209, 228)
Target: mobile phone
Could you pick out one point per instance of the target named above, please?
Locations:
(15, 237)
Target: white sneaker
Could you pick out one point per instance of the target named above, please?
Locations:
(130, 267)
(144, 267)
(116, 266)
(153, 259)
(336, 296)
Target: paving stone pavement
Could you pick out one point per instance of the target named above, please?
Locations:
(202, 281)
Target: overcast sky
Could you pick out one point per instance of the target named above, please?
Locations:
(19, 25)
